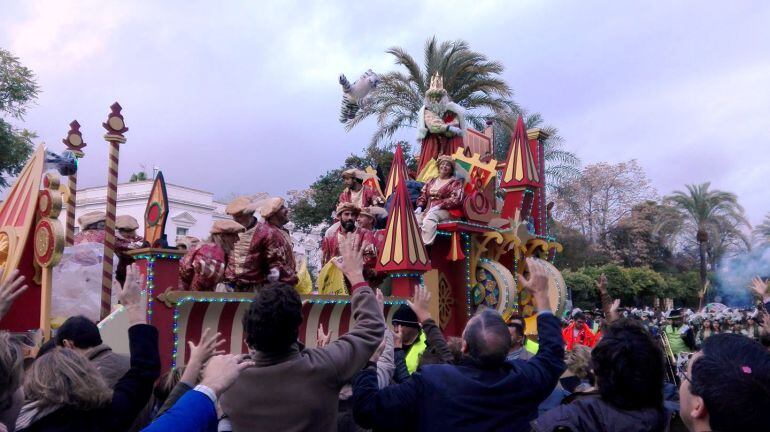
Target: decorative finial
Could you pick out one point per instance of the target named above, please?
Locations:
(74, 139)
(115, 124)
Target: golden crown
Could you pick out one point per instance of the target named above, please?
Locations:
(436, 84)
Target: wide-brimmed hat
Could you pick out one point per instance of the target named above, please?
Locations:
(374, 212)
(126, 222)
(346, 206)
(227, 226)
(356, 173)
(90, 219)
(270, 206)
(240, 205)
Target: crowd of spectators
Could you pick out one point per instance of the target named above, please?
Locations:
(592, 372)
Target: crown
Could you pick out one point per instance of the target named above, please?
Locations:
(436, 84)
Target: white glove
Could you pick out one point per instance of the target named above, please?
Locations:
(273, 275)
(418, 210)
(455, 130)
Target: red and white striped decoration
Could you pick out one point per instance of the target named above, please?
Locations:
(227, 319)
(73, 187)
(109, 228)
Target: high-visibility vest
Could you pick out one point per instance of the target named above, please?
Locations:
(415, 352)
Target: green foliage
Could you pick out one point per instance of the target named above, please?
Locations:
(137, 177)
(315, 205)
(762, 231)
(17, 90)
(634, 286)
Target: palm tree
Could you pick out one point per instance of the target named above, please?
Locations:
(560, 165)
(762, 231)
(713, 216)
(470, 79)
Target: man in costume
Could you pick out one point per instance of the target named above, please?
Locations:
(91, 228)
(203, 267)
(577, 332)
(680, 336)
(441, 124)
(330, 281)
(242, 210)
(126, 239)
(357, 193)
(265, 256)
(441, 198)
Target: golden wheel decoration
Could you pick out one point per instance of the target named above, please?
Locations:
(49, 240)
(445, 301)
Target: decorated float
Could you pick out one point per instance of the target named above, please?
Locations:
(471, 264)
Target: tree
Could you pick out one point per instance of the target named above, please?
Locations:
(560, 165)
(18, 89)
(762, 231)
(470, 79)
(603, 194)
(708, 216)
(137, 177)
(633, 242)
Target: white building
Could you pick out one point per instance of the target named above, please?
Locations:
(191, 211)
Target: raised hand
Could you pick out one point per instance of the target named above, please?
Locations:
(10, 290)
(760, 287)
(351, 260)
(222, 370)
(200, 354)
(323, 339)
(130, 296)
(537, 284)
(601, 284)
(613, 315)
(420, 304)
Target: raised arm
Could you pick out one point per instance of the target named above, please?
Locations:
(350, 352)
(545, 368)
(10, 290)
(420, 304)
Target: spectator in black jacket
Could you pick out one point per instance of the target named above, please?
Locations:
(628, 366)
(65, 392)
(483, 392)
(414, 323)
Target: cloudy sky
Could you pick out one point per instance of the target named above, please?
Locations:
(240, 97)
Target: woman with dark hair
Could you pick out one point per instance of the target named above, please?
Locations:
(628, 366)
(65, 391)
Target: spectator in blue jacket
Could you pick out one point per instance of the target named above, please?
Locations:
(483, 392)
(196, 410)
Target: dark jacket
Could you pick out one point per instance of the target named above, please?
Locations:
(131, 393)
(436, 349)
(298, 390)
(111, 365)
(592, 414)
(466, 396)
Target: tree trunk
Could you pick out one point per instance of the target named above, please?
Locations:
(702, 239)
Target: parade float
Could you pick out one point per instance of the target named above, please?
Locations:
(471, 264)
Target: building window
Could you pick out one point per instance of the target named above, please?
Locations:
(181, 231)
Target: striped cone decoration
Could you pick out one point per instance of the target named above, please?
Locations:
(114, 136)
